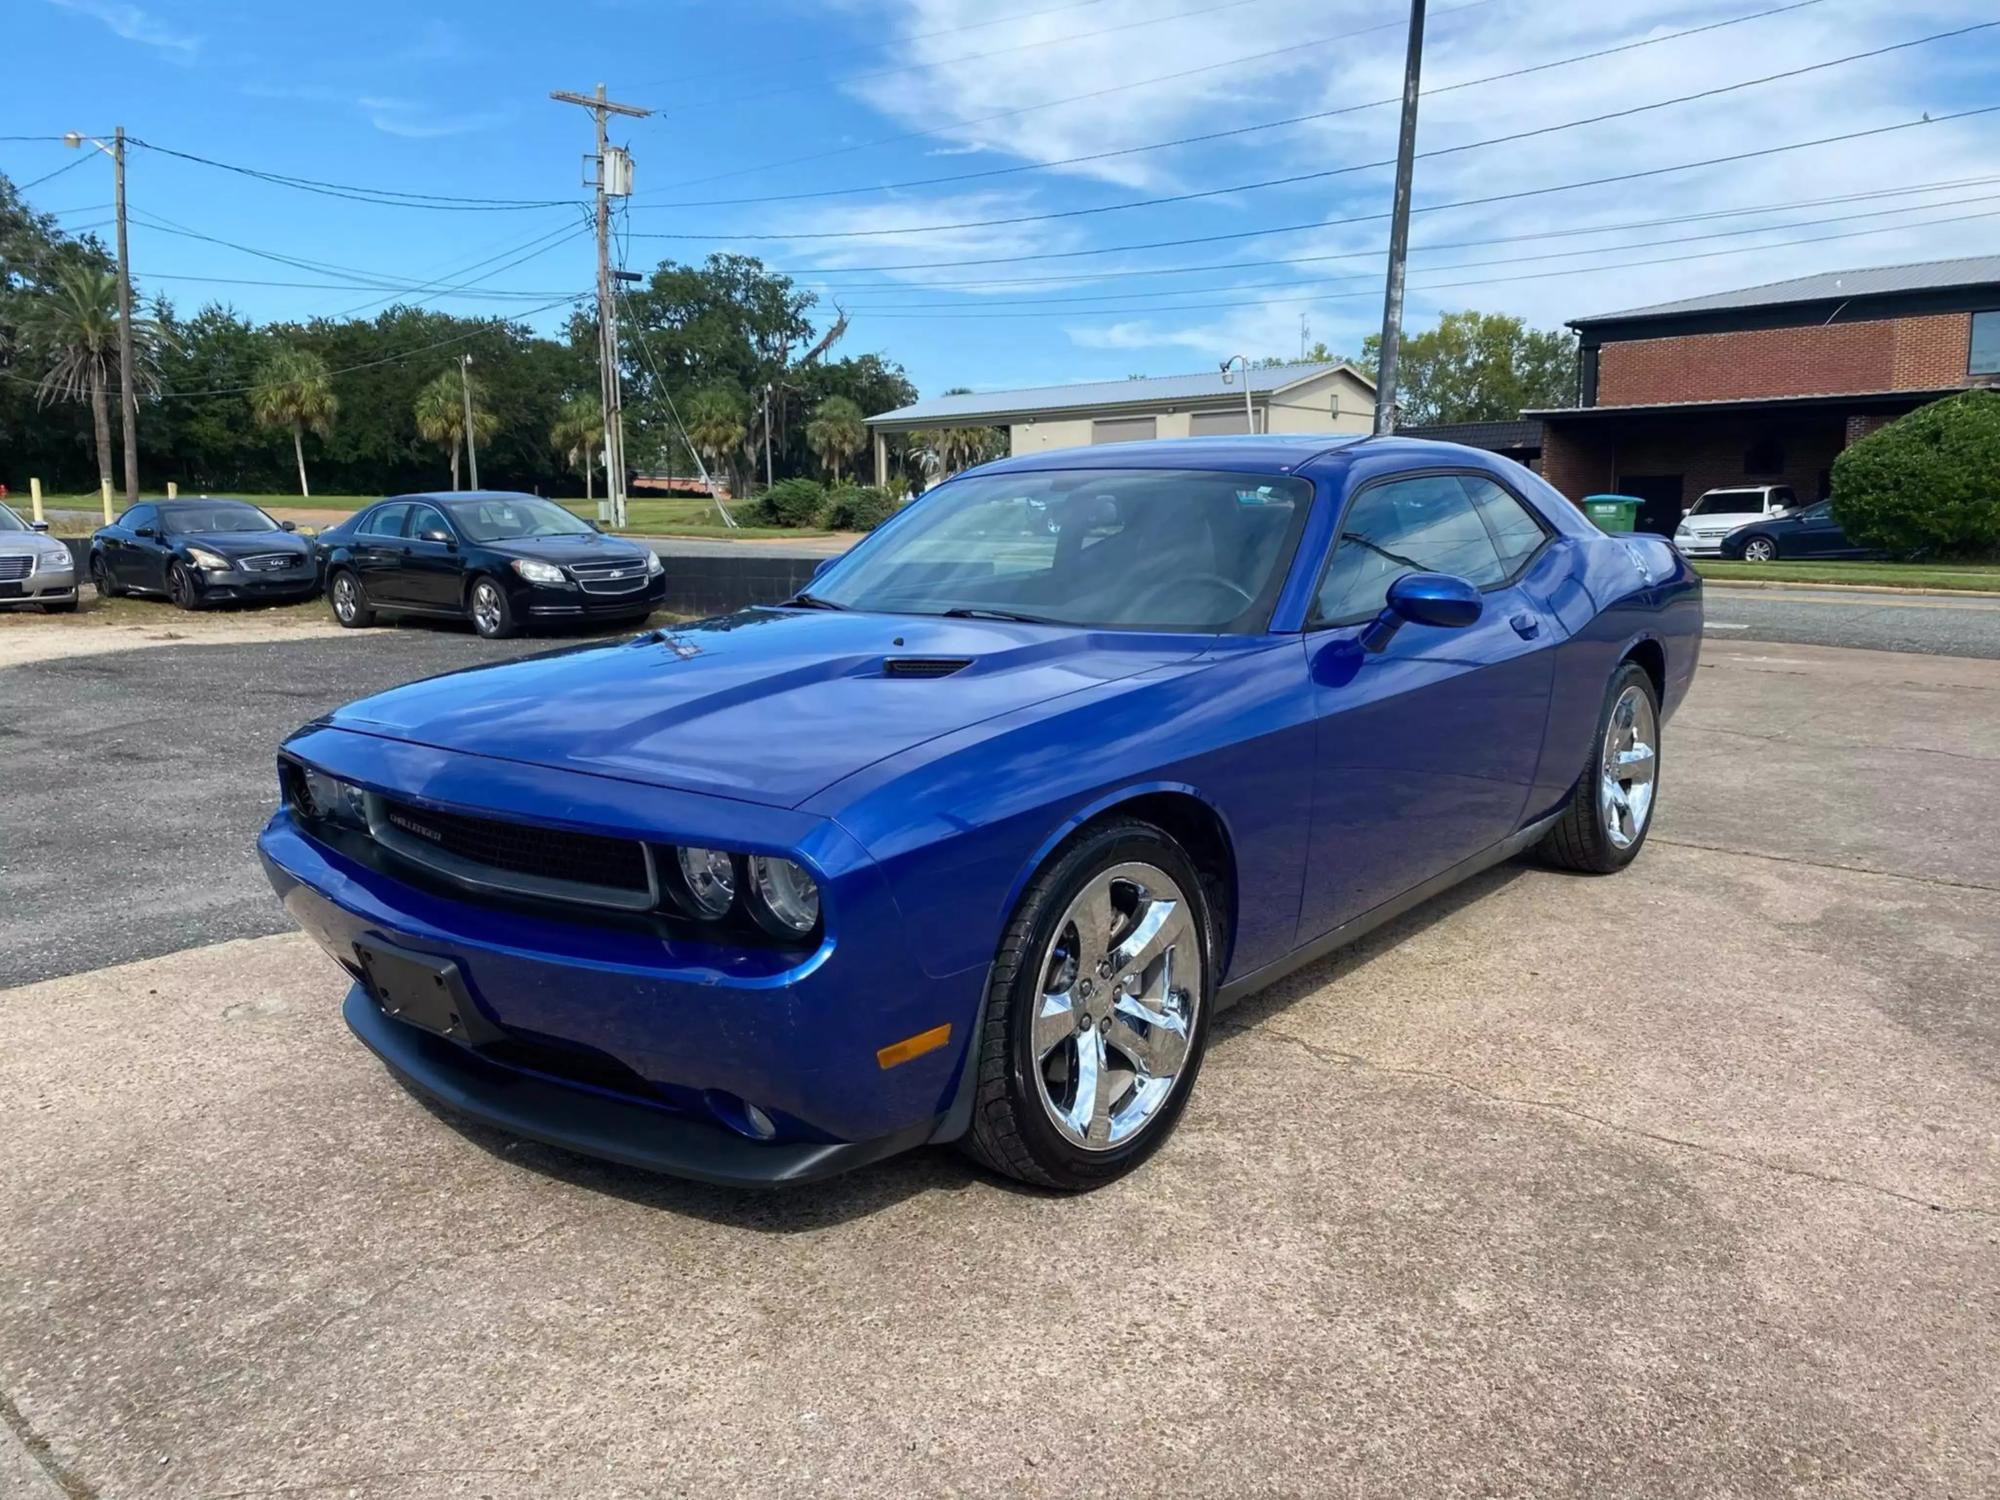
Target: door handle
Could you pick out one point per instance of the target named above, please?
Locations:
(1526, 626)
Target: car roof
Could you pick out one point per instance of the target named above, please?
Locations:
(445, 497)
(1289, 452)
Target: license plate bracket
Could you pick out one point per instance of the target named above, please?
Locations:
(423, 990)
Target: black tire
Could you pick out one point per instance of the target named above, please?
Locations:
(1011, 1132)
(487, 608)
(100, 578)
(181, 588)
(348, 601)
(1763, 545)
(1582, 839)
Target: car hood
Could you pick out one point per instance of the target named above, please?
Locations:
(244, 543)
(765, 706)
(568, 549)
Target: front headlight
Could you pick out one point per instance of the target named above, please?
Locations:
(58, 561)
(654, 567)
(320, 798)
(201, 557)
(783, 898)
(536, 571)
(708, 880)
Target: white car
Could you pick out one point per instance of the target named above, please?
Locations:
(1720, 512)
(34, 569)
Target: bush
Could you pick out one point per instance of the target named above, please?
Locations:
(856, 507)
(792, 502)
(1927, 483)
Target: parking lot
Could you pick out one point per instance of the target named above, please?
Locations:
(1685, 1182)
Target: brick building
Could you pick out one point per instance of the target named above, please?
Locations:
(1765, 385)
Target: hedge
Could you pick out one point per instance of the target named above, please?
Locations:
(1927, 484)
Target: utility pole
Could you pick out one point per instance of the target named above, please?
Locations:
(128, 399)
(471, 447)
(767, 435)
(1399, 230)
(610, 392)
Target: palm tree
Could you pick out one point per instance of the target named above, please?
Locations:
(74, 325)
(294, 390)
(945, 451)
(716, 424)
(440, 413)
(579, 434)
(836, 432)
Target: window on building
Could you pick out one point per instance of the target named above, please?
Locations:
(1986, 343)
(1766, 455)
(1231, 423)
(1124, 429)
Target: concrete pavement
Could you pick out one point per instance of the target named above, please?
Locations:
(1685, 1182)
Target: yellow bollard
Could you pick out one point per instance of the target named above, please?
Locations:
(105, 487)
(35, 498)
(173, 490)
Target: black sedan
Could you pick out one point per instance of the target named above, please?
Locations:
(200, 552)
(501, 560)
(1811, 532)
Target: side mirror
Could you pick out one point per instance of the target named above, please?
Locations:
(1437, 599)
(435, 534)
(823, 564)
(38, 525)
(146, 531)
(288, 526)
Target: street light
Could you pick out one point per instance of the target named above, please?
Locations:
(1249, 416)
(128, 401)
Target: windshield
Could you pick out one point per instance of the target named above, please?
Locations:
(231, 515)
(514, 518)
(1134, 548)
(11, 522)
(1730, 503)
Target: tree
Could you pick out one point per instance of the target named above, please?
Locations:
(1928, 482)
(74, 327)
(1319, 354)
(1478, 367)
(717, 424)
(578, 434)
(945, 451)
(293, 390)
(836, 432)
(440, 414)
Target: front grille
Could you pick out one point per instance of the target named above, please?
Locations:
(14, 568)
(617, 576)
(270, 562)
(517, 857)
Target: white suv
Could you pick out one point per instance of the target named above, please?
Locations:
(1720, 512)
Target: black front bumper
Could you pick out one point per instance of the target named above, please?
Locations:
(543, 601)
(577, 1119)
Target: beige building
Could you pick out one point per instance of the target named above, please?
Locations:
(1282, 398)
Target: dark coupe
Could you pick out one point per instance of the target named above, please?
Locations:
(199, 552)
(970, 841)
(498, 559)
(1811, 532)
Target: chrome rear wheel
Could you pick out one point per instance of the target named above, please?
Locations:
(1630, 759)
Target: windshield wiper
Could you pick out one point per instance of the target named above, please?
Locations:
(963, 612)
(810, 601)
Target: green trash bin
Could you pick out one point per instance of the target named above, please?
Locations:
(1612, 512)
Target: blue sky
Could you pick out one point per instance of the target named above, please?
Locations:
(765, 101)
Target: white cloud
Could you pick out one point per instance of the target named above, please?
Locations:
(136, 25)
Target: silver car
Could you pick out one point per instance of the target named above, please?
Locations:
(34, 569)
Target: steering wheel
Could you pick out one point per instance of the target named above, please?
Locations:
(1192, 580)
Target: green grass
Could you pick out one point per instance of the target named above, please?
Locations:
(1969, 577)
(686, 515)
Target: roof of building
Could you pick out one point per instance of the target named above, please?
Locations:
(1828, 286)
(1742, 405)
(1145, 390)
(1492, 436)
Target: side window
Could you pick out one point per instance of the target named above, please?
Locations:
(425, 518)
(1783, 497)
(1517, 532)
(1422, 525)
(137, 516)
(385, 520)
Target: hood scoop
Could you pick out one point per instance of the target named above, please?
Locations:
(924, 666)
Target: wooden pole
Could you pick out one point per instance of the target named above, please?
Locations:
(35, 498)
(128, 391)
(105, 487)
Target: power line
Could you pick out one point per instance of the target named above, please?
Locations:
(1510, 197)
(659, 380)
(545, 243)
(332, 286)
(387, 197)
(803, 279)
(1219, 135)
(1507, 260)
(1028, 109)
(1296, 178)
(68, 166)
(1668, 260)
(762, 96)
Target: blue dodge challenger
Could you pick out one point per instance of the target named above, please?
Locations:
(971, 840)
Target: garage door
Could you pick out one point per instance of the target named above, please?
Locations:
(1124, 429)
(1218, 423)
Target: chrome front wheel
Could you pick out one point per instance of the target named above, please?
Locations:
(1121, 984)
(1631, 756)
